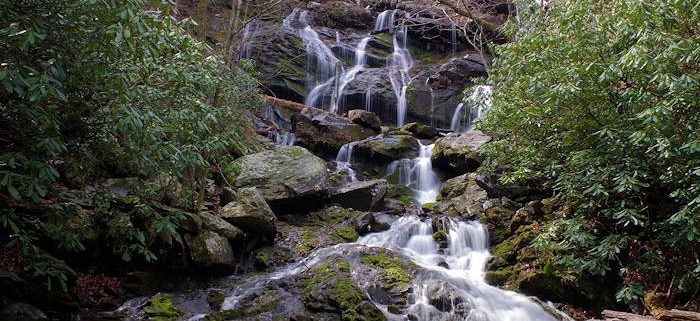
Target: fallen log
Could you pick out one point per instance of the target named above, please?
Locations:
(624, 316)
(286, 104)
(678, 315)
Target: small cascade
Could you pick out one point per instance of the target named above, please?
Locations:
(453, 36)
(418, 174)
(280, 133)
(476, 104)
(454, 276)
(347, 76)
(368, 99)
(250, 28)
(400, 61)
(344, 160)
(432, 103)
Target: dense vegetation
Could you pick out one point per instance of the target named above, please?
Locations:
(600, 101)
(93, 89)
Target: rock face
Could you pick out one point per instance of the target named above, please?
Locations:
(461, 196)
(458, 153)
(284, 175)
(420, 130)
(365, 119)
(324, 132)
(251, 213)
(361, 195)
(209, 249)
(384, 148)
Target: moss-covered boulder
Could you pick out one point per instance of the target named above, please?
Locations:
(421, 131)
(324, 132)
(461, 196)
(458, 153)
(385, 148)
(251, 213)
(285, 175)
(209, 249)
(371, 223)
(365, 119)
(221, 227)
(161, 307)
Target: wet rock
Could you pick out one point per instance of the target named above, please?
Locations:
(458, 153)
(325, 132)
(365, 119)
(284, 175)
(22, 312)
(341, 15)
(518, 191)
(251, 213)
(209, 249)
(361, 195)
(384, 148)
(162, 308)
(445, 298)
(221, 227)
(461, 196)
(371, 223)
(421, 131)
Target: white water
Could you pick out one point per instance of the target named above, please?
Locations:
(476, 105)
(399, 63)
(457, 270)
(344, 163)
(418, 174)
(348, 76)
(281, 134)
(368, 99)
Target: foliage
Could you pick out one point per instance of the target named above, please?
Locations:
(100, 88)
(600, 100)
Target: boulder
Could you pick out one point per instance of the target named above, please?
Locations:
(342, 15)
(458, 153)
(421, 131)
(220, 226)
(461, 196)
(209, 249)
(372, 223)
(386, 148)
(284, 175)
(251, 213)
(361, 195)
(325, 132)
(365, 119)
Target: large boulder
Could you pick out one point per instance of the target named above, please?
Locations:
(284, 175)
(361, 195)
(365, 119)
(209, 249)
(251, 213)
(220, 226)
(420, 130)
(461, 196)
(385, 148)
(325, 132)
(458, 153)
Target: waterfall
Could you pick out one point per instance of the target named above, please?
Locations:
(344, 160)
(455, 277)
(400, 61)
(250, 28)
(453, 34)
(432, 102)
(322, 77)
(476, 104)
(347, 76)
(281, 133)
(418, 174)
(368, 99)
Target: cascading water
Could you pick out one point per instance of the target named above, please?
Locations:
(400, 61)
(477, 103)
(347, 76)
(280, 131)
(418, 174)
(343, 163)
(368, 99)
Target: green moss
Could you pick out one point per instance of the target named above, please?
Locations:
(441, 238)
(392, 269)
(309, 241)
(400, 194)
(344, 234)
(428, 206)
(161, 308)
(502, 277)
(264, 255)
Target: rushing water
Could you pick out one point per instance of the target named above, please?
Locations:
(347, 76)
(476, 104)
(344, 163)
(400, 61)
(418, 174)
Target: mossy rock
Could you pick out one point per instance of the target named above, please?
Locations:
(441, 238)
(400, 194)
(501, 277)
(392, 269)
(344, 234)
(161, 307)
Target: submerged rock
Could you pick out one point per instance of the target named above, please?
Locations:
(284, 175)
(251, 213)
(325, 132)
(361, 195)
(458, 153)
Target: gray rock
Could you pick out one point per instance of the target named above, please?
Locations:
(324, 132)
(251, 213)
(365, 119)
(361, 195)
(385, 148)
(458, 153)
(420, 130)
(461, 196)
(221, 227)
(285, 174)
(209, 249)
